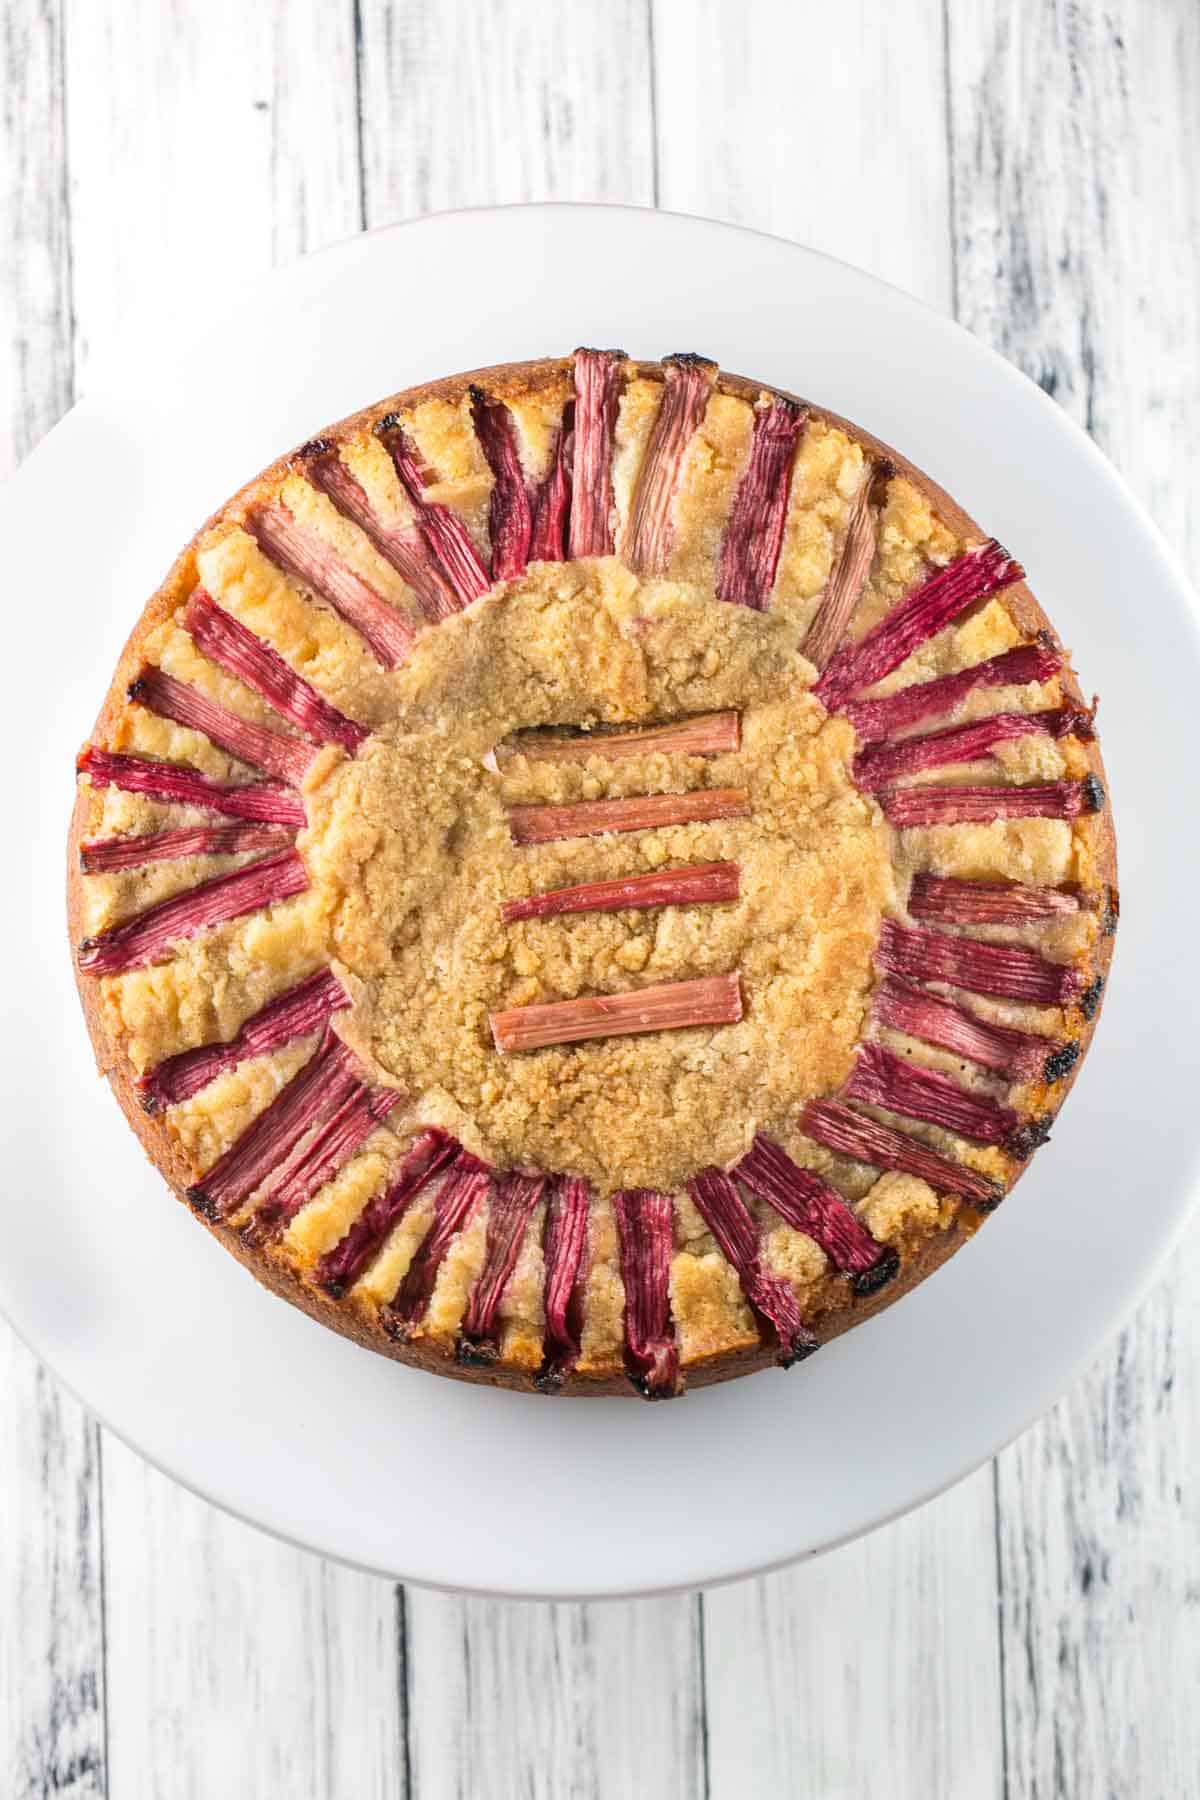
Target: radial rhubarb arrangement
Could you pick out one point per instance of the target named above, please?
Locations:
(592, 876)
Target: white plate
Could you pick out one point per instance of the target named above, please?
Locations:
(243, 1398)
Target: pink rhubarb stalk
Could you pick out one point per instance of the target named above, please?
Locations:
(178, 784)
(151, 936)
(104, 856)
(552, 507)
(649, 534)
(510, 1210)
(848, 577)
(874, 719)
(771, 1299)
(703, 734)
(286, 758)
(853, 1134)
(563, 1243)
(702, 885)
(881, 1078)
(510, 512)
(315, 1163)
(1007, 971)
(948, 900)
(640, 812)
(670, 1006)
(645, 1220)
(754, 531)
(1018, 1055)
(809, 1204)
(338, 1270)
(882, 763)
(598, 379)
(312, 1096)
(316, 565)
(459, 1196)
(305, 1008)
(923, 806)
(934, 604)
(444, 531)
(403, 546)
(227, 642)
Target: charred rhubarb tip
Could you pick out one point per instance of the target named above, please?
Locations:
(772, 1299)
(400, 545)
(305, 1008)
(598, 379)
(316, 565)
(227, 642)
(563, 1243)
(947, 900)
(754, 531)
(670, 1006)
(922, 806)
(809, 1204)
(645, 1222)
(687, 383)
(459, 1196)
(105, 856)
(310, 1167)
(178, 784)
(1019, 1055)
(510, 1210)
(881, 1078)
(852, 1134)
(552, 506)
(849, 575)
(874, 719)
(705, 884)
(510, 514)
(1089, 1001)
(288, 759)
(883, 762)
(1007, 971)
(445, 533)
(704, 734)
(641, 812)
(311, 1097)
(150, 936)
(928, 609)
(1029, 1136)
(432, 1151)
(1060, 1062)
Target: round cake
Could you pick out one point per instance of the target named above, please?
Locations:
(592, 875)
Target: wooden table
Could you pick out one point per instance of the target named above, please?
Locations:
(1030, 165)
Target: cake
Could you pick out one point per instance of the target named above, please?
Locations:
(592, 875)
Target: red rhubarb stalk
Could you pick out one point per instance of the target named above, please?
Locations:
(444, 531)
(150, 936)
(809, 1204)
(338, 1270)
(881, 1078)
(754, 531)
(771, 1299)
(510, 1209)
(873, 719)
(1019, 1055)
(403, 546)
(459, 1196)
(704, 734)
(316, 565)
(702, 885)
(849, 574)
(563, 1244)
(881, 763)
(510, 514)
(865, 1140)
(313, 1095)
(104, 856)
(178, 784)
(284, 757)
(315, 1163)
(934, 604)
(552, 508)
(644, 1226)
(1007, 971)
(920, 806)
(291, 1015)
(687, 382)
(947, 900)
(227, 642)
(670, 1006)
(641, 812)
(598, 378)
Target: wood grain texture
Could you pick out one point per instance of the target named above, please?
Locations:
(1076, 144)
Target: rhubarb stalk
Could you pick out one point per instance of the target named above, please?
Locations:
(640, 812)
(873, 719)
(687, 383)
(105, 856)
(338, 1270)
(923, 806)
(598, 377)
(563, 1244)
(881, 1078)
(552, 508)
(510, 514)
(771, 1299)
(865, 1140)
(670, 1006)
(704, 734)
(178, 784)
(150, 936)
(444, 532)
(849, 574)
(948, 900)
(510, 1209)
(286, 758)
(316, 565)
(644, 1226)
(459, 1196)
(808, 1204)
(754, 531)
(889, 761)
(701, 885)
(403, 546)
(309, 1169)
(1018, 1055)
(1008, 971)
